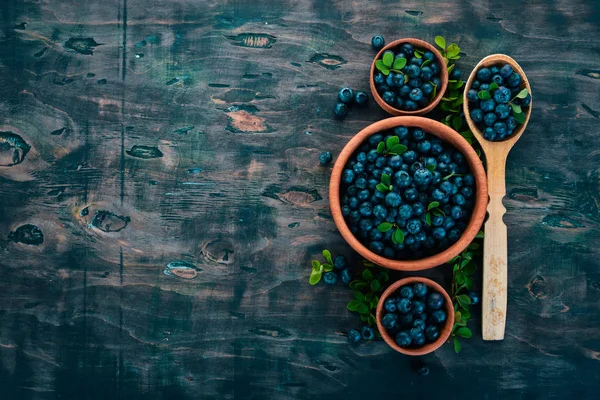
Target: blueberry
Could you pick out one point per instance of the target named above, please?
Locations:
(458, 199)
(418, 134)
(407, 292)
(358, 168)
(416, 94)
(348, 176)
(500, 128)
(374, 234)
(404, 91)
(526, 101)
(484, 86)
(417, 307)
(448, 222)
(402, 179)
(432, 333)
(489, 119)
(416, 332)
(366, 224)
(330, 278)
(423, 371)
(514, 80)
(413, 226)
(494, 70)
(484, 75)
(502, 95)
(379, 78)
(408, 48)
(435, 68)
(387, 170)
(389, 97)
(404, 305)
(418, 209)
(372, 156)
(367, 333)
(389, 321)
(426, 73)
(435, 301)
(446, 187)
(476, 115)
(363, 195)
(437, 220)
(469, 180)
(454, 235)
(361, 183)
(416, 61)
(455, 74)
(488, 105)
(346, 95)
(354, 336)
(411, 194)
(393, 199)
(354, 217)
(403, 339)
(497, 79)
(395, 162)
(379, 211)
(511, 122)
(340, 262)
(502, 111)
(457, 212)
(397, 80)
(438, 233)
(410, 105)
(405, 211)
(346, 210)
(506, 71)
(427, 88)
(475, 85)
(340, 111)
(438, 195)
(346, 275)
(438, 316)
(420, 341)
(413, 71)
(472, 96)
(381, 162)
(436, 82)
(401, 132)
(474, 298)
(376, 247)
(390, 305)
(361, 98)
(422, 176)
(414, 83)
(377, 42)
(325, 158)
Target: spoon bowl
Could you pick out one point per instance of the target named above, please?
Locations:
(495, 250)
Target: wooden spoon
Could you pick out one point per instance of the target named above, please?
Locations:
(495, 254)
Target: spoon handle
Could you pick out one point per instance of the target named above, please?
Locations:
(495, 253)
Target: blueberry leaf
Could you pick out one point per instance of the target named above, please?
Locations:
(399, 63)
(398, 236)
(315, 277)
(464, 332)
(428, 219)
(327, 267)
(432, 205)
(473, 246)
(522, 94)
(453, 51)
(353, 305)
(327, 255)
(371, 320)
(441, 42)
(385, 179)
(368, 276)
(382, 188)
(361, 286)
(456, 345)
(362, 308)
(516, 108)
(363, 318)
(380, 65)
(384, 227)
(463, 299)
(450, 68)
(520, 117)
(457, 317)
(369, 296)
(430, 167)
(398, 149)
(479, 235)
(388, 60)
(385, 71)
(484, 95)
(392, 141)
(417, 54)
(425, 63)
(358, 295)
(375, 285)
(380, 147)
(456, 122)
(493, 86)
(315, 264)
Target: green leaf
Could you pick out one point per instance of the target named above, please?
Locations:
(315, 264)
(468, 283)
(385, 71)
(432, 205)
(417, 54)
(399, 63)
(457, 316)
(315, 277)
(379, 64)
(441, 42)
(368, 263)
(398, 236)
(327, 255)
(362, 308)
(391, 142)
(450, 68)
(445, 106)
(484, 95)
(465, 314)
(453, 51)
(464, 332)
(430, 167)
(459, 84)
(368, 275)
(516, 109)
(388, 60)
(428, 219)
(352, 285)
(522, 94)
(371, 320)
(327, 267)
(454, 58)
(460, 278)
(463, 300)
(473, 246)
(479, 235)
(382, 188)
(456, 345)
(358, 295)
(493, 86)
(375, 285)
(398, 149)
(425, 63)
(369, 296)
(380, 147)
(456, 122)
(385, 226)
(383, 276)
(520, 117)
(386, 179)
(361, 286)
(364, 318)
(353, 305)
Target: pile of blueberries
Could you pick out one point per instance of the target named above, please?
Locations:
(346, 98)
(415, 316)
(341, 269)
(429, 171)
(411, 88)
(493, 115)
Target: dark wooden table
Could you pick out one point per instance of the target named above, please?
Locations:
(194, 128)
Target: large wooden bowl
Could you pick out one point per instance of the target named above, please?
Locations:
(446, 134)
(419, 44)
(444, 333)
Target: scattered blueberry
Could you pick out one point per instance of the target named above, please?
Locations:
(367, 333)
(330, 278)
(361, 98)
(325, 158)
(340, 111)
(346, 275)
(474, 298)
(423, 371)
(354, 336)
(377, 42)
(346, 95)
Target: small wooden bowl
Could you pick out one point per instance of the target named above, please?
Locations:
(444, 334)
(443, 132)
(419, 44)
(508, 142)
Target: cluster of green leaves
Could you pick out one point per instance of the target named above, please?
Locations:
(388, 64)
(517, 112)
(366, 289)
(318, 269)
(397, 236)
(462, 270)
(391, 146)
(433, 209)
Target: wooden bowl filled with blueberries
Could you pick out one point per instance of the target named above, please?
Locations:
(408, 193)
(408, 76)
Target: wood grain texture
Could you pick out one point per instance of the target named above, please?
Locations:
(199, 123)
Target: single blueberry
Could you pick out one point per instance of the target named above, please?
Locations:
(497, 79)
(358, 168)
(426, 73)
(393, 199)
(401, 132)
(363, 195)
(502, 95)
(346, 210)
(438, 316)
(416, 94)
(404, 91)
(390, 304)
(416, 332)
(380, 211)
(381, 162)
(474, 298)
(407, 292)
(411, 194)
(374, 234)
(413, 71)
(325, 158)
(413, 226)
(432, 333)
(361, 98)
(438, 233)
(475, 85)
(410, 105)
(388, 171)
(448, 222)
(484, 86)
(472, 96)
(398, 80)
(437, 220)
(427, 88)
(494, 70)
(420, 289)
(435, 301)
(488, 105)
(402, 179)
(514, 80)
(414, 83)
(438, 194)
(404, 305)
(436, 82)
(418, 209)
(348, 176)
(506, 71)
(457, 212)
(500, 128)
(469, 180)
(376, 247)
(422, 176)
(340, 111)
(354, 336)
(420, 341)
(354, 217)
(419, 323)
(395, 162)
(502, 111)
(435, 68)
(346, 275)
(389, 97)
(365, 224)
(330, 278)
(455, 74)
(377, 42)
(476, 115)
(484, 75)
(403, 339)
(389, 321)
(418, 134)
(526, 101)
(458, 199)
(423, 371)
(367, 333)
(340, 262)
(379, 78)
(346, 95)
(428, 55)
(361, 183)
(418, 307)
(489, 119)
(416, 61)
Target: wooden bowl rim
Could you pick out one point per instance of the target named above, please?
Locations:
(443, 132)
(443, 77)
(444, 334)
(486, 62)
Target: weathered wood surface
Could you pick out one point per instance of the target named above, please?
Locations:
(196, 126)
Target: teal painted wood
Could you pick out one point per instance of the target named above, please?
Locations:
(168, 154)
